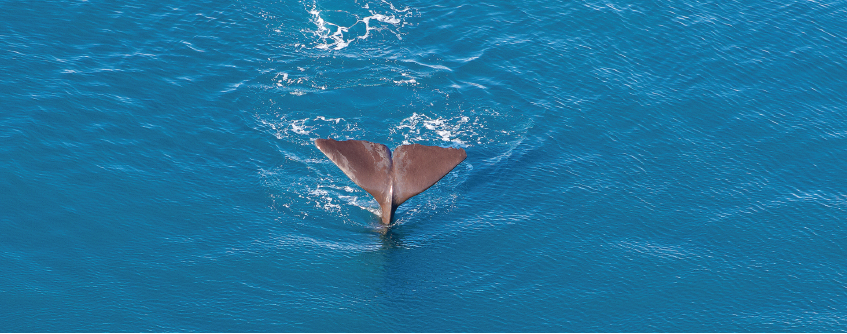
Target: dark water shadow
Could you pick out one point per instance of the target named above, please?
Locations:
(390, 236)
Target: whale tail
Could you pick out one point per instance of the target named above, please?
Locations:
(391, 180)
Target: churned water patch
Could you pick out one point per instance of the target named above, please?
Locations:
(474, 127)
(303, 131)
(336, 28)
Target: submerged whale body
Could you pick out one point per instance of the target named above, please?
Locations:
(391, 180)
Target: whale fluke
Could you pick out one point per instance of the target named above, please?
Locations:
(391, 180)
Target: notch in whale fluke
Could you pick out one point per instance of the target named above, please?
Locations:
(391, 180)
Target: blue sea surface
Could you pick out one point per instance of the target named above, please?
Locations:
(666, 165)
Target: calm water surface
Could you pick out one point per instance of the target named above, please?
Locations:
(632, 165)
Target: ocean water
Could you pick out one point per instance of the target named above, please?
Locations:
(632, 165)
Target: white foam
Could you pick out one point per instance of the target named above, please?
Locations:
(326, 195)
(332, 35)
(299, 127)
(304, 130)
(420, 127)
(411, 81)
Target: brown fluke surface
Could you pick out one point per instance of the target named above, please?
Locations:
(391, 180)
